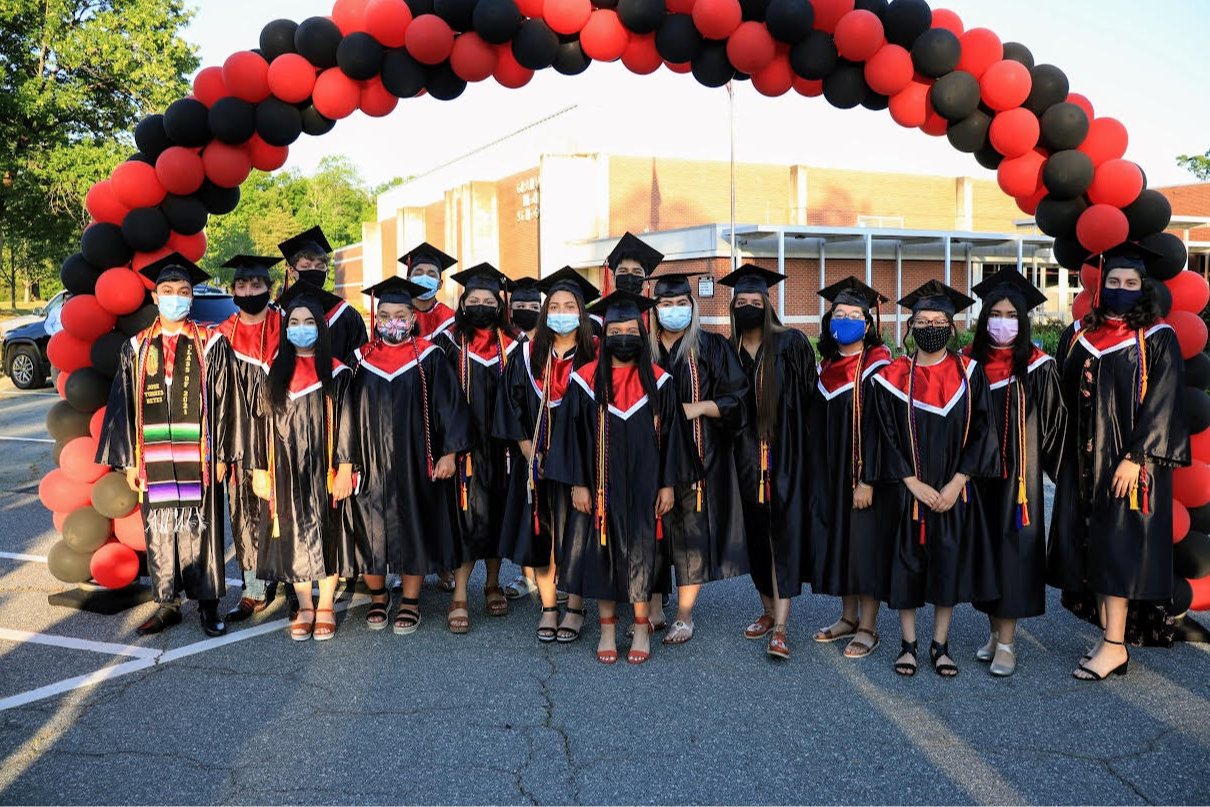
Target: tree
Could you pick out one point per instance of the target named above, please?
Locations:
(75, 76)
(1197, 164)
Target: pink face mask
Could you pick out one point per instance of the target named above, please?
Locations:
(1002, 330)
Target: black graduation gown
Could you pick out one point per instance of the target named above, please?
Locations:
(708, 543)
(776, 529)
(346, 332)
(1021, 562)
(405, 520)
(850, 549)
(956, 562)
(188, 561)
(483, 494)
(517, 420)
(315, 535)
(640, 462)
(1097, 543)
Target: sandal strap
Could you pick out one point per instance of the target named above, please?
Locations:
(607, 620)
(552, 609)
(642, 620)
(1107, 640)
(409, 601)
(570, 610)
(378, 592)
(908, 647)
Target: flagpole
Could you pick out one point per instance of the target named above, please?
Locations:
(731, 115)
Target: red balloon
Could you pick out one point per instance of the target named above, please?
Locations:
(130, 531)
(57, 519)
(120, 291)
(828, 13)
(1190, 485)
(1081, 305)
(68, 352)
(114, 565)
(889, 70)
(934, 125)
(530, 8)
(1005, 85)
(1090, 276)
(859, 35)
(910, 106)
(1117, 183)
(1029, 204)
(192, 247)
(144, 259)
(949, 20)
(1101, 227)
(180, 170)
(640, 55)
(1199, 445)
(76, 460)
(1201, 594)
(226, 166)
(679, 6)
(1190, 332)
(682, 67)
(429, 39)
(336, 96)
(472, 59)
(750, 47)
(1189, 292)
(291, 78)
(376, 101)
(1107, 140)
(566, 16)
(1083, 103)
(1021, 176)
(603, 37)
(1015, 132)
(95, 423)
(387, 21)
(59, 492)
(208, 85)
(509, 73)
(776, 79)
(265, 157)
(810, 88)
(1180, 521)
(349, 15)
(981, 48)
(84, 317)
(246, 75)
(716, 19)
(135, 185)
(103, 205)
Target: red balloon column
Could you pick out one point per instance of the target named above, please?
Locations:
(989, 98)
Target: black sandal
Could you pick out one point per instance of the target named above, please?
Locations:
(547, 635)
(903, 667)
(1093, 675)
(407, 618)
(376, 617)
(938, 650)
(568, 635)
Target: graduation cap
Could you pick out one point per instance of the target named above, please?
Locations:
(524, 290)
(251, 266)
(174, 267)
(568, 279)
(852, 291)
(1128, 255)
(936, 296)
(426, 253)
(631, 246)
(1009, 282)
(621, 306)
(673, 284)
(482, 276)
(302, 289)
(312, 240)
(751, 278)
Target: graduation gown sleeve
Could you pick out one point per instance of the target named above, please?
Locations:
(981, 455)
(1161, 427)
(116, 446)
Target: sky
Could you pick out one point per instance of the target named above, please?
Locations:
(1145, 64)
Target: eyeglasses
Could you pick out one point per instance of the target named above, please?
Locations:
(930, 323)
(855, 316)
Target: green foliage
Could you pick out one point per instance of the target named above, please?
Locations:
(1196, 164)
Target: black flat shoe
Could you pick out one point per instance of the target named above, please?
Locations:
(946, 669)
(165, 617)
(212, 624)
(245, 608)
(902, 666)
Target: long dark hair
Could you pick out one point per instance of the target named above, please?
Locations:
(766, 416)
(604, 380)
(1022, 348)
(464, 331)
(829, 349)
(544, 337)
(282, 370)
(1146, 311)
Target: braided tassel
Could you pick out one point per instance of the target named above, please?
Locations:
(659, 522)
(424, 406)
(764, 472)
(329, 428)
(204, 433)
(602, 470)
(858, 462)
(698, 437)
(914, 444)
(273, 479)
(1022, 491)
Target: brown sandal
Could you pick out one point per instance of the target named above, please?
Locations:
(759, 628)
(825, 635)
(300, 630)
(778, 646)
(856, 649)
(458, 624)
(497, 603)
(324, 629)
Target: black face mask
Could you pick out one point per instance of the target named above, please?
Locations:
(630, 283)
(481, 316)
(252, 303)
(625, 346)
(525, 318)
(316, 277)
(748, 317)
(932, 339)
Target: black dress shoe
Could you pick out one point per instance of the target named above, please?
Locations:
(164, 617)
(212, 625)
(245, 608)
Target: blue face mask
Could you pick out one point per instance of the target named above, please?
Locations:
(430, 283)
(563, 324)
(847, 331)
(1119, 301)
(675, 318)
(174, 307)
(303, 336)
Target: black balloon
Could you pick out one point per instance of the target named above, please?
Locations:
(789, 20)
(1182, 596)
(317, 40)
(402, 75)
(750, 10)
(112, 497)
(1148, 214)
(1191, 556)
(277, 39)
(1064, 126)
(186, 215)
(1163, 297)
(875, 101)
(1199, 518)
(65, 423)
(535, 46)
(278, 123)
(1016, 52)
(1172, 255)
(78, 275)
(418, 7)
(937, 51)
(187, 122)
(678, 40)
(145, 229)
(444, 84)
(496, 21)
(905, 20)
(815, 57)
(140, 157)
(104, 247)
(571, 60)
(104, 353)
(1067, 174)
(710, 66)
(955, 95)
(218, 200)
(316, 124)
(1057, 217)
(1050, 86)
(611, 4)
(1197, 371)
(1070, 253)
(877, 7)
(645, 16)
(138, 321)
(232, 120)
(86, 389)
(458, 13)
(846, 87)
(1197, 409)
(970, 135)
(988, 157)
(359, 56)
(150, 137)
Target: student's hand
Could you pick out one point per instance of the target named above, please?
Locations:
(527, 448)
(664, 501)
(1125, 478)
(581, 499)
(342, 485)
(949, 494)
(132, 478)
(925, 494)
(693, 411)
(445, 467)
(220, 471)
(260, 484)
(863, 496)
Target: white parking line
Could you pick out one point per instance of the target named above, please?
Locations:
(23, 556)
(71, 643)
(28, 439)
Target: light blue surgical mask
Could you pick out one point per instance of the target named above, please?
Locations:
(429, 282)
(675, 318)
(303, 336)
(563, 324)
(174, 307)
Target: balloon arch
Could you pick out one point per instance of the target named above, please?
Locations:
(1063, 165)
